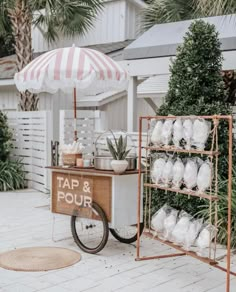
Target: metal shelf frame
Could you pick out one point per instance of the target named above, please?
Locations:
(212, 153)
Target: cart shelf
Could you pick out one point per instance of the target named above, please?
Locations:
(184, 192)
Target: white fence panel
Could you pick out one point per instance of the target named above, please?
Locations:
(85, 126)
(32, 135)
(101, 143)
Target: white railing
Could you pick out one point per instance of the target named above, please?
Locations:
(32, 135)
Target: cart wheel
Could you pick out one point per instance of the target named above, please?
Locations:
(127, 234)
(91, 234)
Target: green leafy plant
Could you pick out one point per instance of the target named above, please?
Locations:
(11, 172)
(119, 149)
(5, 138)
(196, 88)
(12, 175)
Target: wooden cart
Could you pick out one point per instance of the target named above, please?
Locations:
(97, 201)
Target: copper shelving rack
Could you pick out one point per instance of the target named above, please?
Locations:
(212, 153)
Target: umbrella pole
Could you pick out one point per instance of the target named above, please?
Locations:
(75, 116)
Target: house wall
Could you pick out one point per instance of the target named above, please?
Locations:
(117, 22)
(8, 98)
(133, 21)
(113, 114)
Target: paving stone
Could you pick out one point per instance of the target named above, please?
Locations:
(25, 221)
(18, 288)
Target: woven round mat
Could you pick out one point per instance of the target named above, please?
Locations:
(35, 259)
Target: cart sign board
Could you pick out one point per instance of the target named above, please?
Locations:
(72, 194)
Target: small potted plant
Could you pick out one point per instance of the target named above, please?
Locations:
(119, 153)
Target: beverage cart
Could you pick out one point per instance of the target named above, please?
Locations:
(97, 201)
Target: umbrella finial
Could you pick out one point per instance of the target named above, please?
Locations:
(73, 46)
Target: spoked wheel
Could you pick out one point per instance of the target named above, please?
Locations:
(91, 234)
(127, 234)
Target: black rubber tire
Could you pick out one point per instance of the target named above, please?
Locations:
(127, 240)
(103, 242)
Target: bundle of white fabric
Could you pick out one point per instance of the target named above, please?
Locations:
(181, 228)
(201, 130)
(207, 234)
(178, 173)
(190, 174)
(157, 170)
(204, 177)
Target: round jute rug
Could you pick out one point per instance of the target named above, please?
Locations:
(35, 259)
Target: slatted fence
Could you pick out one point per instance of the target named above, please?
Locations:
(32, 135)
(132, 139)
(86, 121)
(85, 126)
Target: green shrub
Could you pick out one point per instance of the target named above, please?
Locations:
(12, 175)
(11, 172)
(5, 138)
(196, 88)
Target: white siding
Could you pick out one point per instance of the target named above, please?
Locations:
(109, 27)
(133, 24)
(115, 113)
(8, 98)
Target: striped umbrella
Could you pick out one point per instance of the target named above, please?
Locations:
(81, 70)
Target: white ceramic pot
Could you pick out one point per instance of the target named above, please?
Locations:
(119, 166)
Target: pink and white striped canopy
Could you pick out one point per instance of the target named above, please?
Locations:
(89, 71)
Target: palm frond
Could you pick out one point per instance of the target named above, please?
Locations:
(216, 7)
(162, 11)
(65, 17)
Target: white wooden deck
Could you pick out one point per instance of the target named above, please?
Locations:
(25, 220)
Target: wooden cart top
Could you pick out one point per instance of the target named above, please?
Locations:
(90, 170)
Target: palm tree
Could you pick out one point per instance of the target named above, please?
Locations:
(53, 18)
(162, 11)
(217, 7)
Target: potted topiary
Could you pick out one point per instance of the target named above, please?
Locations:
(119, 153)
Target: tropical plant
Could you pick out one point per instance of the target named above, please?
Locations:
(162, 11)
(12, 175)
(119, 149)
(216, 7)
(5, 138)
(53, 18)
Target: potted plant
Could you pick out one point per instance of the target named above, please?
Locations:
(119, 153)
